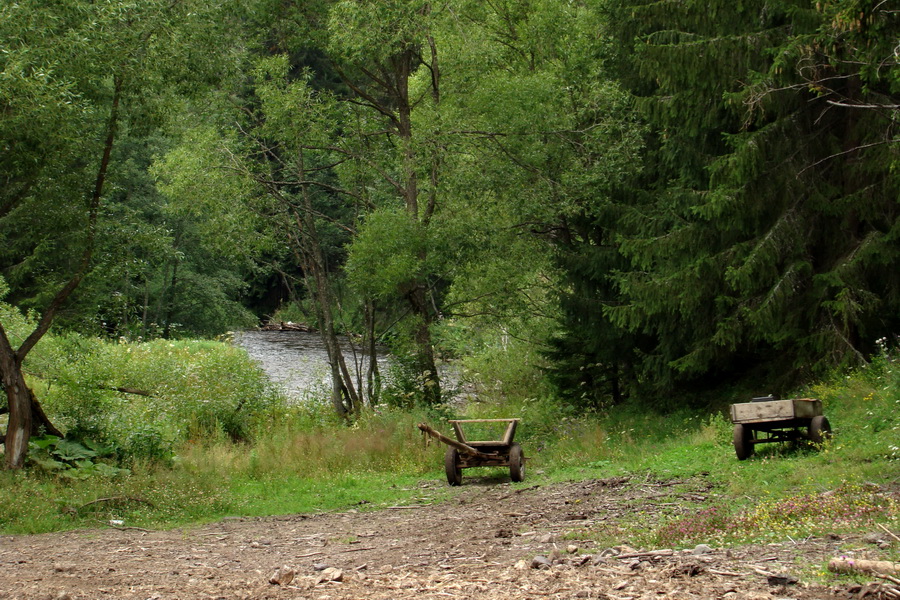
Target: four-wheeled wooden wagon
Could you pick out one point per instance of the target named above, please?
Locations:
(463, 453)
(769, 420)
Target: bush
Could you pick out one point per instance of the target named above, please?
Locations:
(145, 399)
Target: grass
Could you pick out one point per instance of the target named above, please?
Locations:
(301, 460)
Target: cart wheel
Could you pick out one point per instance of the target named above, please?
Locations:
(743, 444)
(451, 466)
(819, 429)
(516, 463)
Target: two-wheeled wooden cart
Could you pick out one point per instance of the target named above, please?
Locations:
(769, 420)
(463, 453)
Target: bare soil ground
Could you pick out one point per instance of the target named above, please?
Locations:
(480, 544)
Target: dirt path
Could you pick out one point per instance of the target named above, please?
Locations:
(478, 545)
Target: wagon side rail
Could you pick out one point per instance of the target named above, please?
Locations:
(508, 436)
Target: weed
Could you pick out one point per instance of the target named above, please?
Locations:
(847, 508)
(71, 458)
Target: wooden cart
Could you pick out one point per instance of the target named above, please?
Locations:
(769, 420)
(463, 453)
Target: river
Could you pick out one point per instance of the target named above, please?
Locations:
(297, 360)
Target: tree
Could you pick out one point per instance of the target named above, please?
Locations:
(382, 52)
(86, 70)
(282, 155)
(542, 138)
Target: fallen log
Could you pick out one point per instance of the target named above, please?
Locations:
(872, 567)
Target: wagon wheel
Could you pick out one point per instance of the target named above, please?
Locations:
(743, 441)
(819, 429)
(516, 463)
(451, 466)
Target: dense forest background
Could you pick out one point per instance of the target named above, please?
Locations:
(628, 197)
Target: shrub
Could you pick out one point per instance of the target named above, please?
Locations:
(145, 399)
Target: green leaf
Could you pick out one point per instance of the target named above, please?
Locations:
(72, 451)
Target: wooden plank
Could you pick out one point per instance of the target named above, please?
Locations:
(511, 425)
(807, 407)
(481, 420)
(775, 410)
(510, 432)
(459, 432)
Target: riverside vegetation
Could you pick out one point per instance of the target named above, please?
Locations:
(202, 435)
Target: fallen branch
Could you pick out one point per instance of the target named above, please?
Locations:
(122, 527)
(114, 388)
(130, 390)
(115, 499)
(725, 573)
(889, 532)
(651, 553)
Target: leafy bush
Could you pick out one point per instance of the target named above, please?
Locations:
(145, 399)
(404, 386)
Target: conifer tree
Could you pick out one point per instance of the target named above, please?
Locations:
(763, 233)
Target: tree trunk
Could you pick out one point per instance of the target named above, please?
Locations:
(170, 302)
(418, 296)
(344, 396)
(373, 375)
(18, 396)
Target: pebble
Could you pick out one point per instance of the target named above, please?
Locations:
(781, 579)
(282, 576)
(331, 574)
(540, 562)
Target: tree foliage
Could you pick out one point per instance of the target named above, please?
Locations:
(656, 193)
(96, 71)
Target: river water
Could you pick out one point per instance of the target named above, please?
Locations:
(298, 361)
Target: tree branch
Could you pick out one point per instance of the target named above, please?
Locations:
(93, 211)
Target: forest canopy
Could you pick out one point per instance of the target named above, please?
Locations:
(645, 195)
